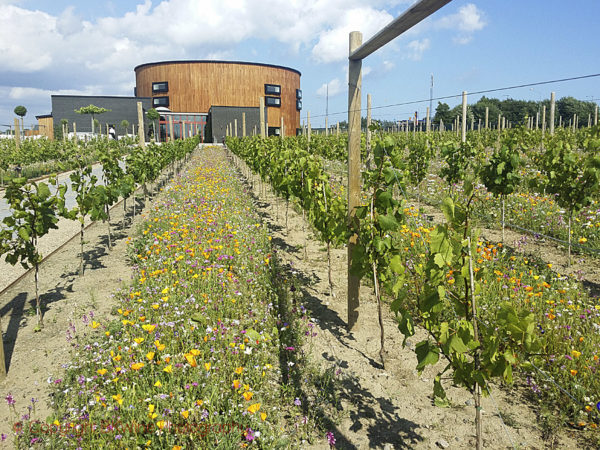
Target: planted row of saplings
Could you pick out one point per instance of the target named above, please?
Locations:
(37, 207)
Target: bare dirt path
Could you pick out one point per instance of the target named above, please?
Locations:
(387, 408)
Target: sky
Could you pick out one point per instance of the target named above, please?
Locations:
(91, 48)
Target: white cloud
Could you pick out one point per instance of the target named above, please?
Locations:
(416, 48)
(29, 93)
(333, 42)
(335, 87)
(465, 21)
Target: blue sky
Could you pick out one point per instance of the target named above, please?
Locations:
(83, 47)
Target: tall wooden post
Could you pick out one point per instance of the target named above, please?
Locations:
(75, 132)
(552, 108)
(354, 107)
(499, 121)
(487, 115)
(427, 126)
(17, 133)
(543, 121)
(537, 120)
(235, 127)
(596, 115)
(463, 136)
(326, 127)
(261, 103)
(141, 124)
(308, 129)
(243, 124)
(337, 129)
(171, 130)
(368, 143)
(282, 129)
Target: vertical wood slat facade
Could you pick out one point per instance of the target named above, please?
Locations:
(195, 86)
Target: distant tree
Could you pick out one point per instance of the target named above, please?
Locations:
(442, 112)
(125, 125)
(153, 115)
(568, 106)
(21, 111)
(92, 110)
(493, 105)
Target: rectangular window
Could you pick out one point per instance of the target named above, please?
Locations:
(274, 131)
(273, 101)
(298, 105)
(299, 94)
(161, 86)
(272, 89)
(160, 101)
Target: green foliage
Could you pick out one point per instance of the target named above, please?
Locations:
(91, 109)
(20, 111)
(34, 212)
(500, 175)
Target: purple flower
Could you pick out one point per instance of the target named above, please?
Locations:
(10, 400)
(297, 402)
(330, 439)
(249, 434)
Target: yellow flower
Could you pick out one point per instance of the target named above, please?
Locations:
(253, 408)
(151, 408)
(150, 356)
(161, 424)
(158, 345)
(176, 447)
(155, 306)
(185, 414)
(137, 366)
(158, 384)
(575, 353)
(239, 370)
(247, 395)
(190, 359)
(207, 366)
(168, 369)
(195, 352)
(101, 371)
(149, 328)
(165, 290)
(573, 372)
(94, 324)
(117, 398)
(236, 384)
(263, 416)
(139, 340)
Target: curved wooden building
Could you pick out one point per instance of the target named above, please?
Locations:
(193, 87)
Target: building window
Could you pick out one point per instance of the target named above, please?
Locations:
(161, 86)
(272, 89)
(274, 131)
(160, 101)
(298, 105)
(273, 101)
(299, 94)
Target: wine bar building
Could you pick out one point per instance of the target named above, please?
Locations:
(198, 97)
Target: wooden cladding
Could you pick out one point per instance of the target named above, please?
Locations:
(195, 86)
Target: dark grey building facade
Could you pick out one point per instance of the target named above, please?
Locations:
(121, 108)
(219, 117)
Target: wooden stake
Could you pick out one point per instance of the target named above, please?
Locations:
(354, 107)
(261, 102)
(17, 133)
(171, 130)
(235, 127)
(427, 126)
(464, 117)
(487, 114)
(308, 128)
(141, 124)
(552, 108)
(543, 121)
(243, 124)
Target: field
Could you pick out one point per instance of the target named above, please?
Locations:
(231, 330)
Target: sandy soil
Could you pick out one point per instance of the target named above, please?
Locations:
(387, 408)
(33, 358)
